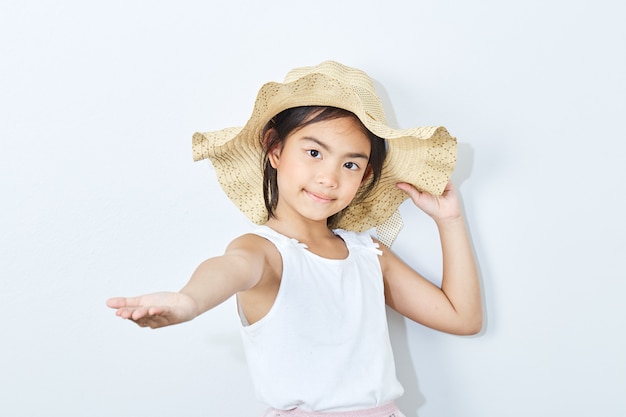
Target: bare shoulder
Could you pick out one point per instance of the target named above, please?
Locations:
(249, 242)
(250, 245)
(388, 259)
(259, 252)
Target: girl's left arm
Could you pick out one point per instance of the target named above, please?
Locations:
(456, 306)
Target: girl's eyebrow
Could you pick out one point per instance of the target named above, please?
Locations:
(326, 148)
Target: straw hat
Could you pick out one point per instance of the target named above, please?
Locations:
(422, 156)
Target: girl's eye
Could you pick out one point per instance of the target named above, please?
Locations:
(314, 153)
(351, 165)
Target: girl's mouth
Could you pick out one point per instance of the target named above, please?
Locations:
(319, 197)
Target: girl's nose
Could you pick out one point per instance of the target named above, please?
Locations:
(327, 177)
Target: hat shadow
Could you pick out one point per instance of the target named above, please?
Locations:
(464, 163)
(465, 153)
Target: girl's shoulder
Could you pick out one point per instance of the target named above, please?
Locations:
(247, 239)
(252, 245)
(260, 253)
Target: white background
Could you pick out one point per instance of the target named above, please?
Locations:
(100, 197)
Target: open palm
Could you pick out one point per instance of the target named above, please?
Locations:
(155, 310)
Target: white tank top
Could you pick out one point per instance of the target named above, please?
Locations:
(324, 345)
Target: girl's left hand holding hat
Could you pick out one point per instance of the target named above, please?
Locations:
(443, 207)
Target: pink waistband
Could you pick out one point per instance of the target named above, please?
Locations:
(387, 410)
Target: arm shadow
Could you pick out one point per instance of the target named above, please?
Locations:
(405, 369)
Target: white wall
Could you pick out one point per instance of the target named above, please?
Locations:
(100, 197)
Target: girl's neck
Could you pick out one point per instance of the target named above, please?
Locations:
(304, 232)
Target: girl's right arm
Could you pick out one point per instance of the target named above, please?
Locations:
(213, 282)
(456, 306)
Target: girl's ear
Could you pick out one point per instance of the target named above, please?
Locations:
(272, 144)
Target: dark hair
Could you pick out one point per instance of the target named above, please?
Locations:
(290, 120)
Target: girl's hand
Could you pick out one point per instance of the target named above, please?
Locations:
(444, 207)
(155, 310)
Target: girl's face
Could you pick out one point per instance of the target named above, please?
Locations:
(320, 168)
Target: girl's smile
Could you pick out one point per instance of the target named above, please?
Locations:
(318, 197)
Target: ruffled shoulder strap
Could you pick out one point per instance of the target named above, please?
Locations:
(356, 240)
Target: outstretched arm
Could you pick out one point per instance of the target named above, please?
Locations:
(214, 281)
(456, 307)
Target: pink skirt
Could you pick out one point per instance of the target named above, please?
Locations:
(387, 410)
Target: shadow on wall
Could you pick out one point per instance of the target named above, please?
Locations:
(405, 369)
(464, 164)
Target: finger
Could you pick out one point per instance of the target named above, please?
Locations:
(120, 302)
(125, 313)
(413, 192)
(404, 186)
(420, 199)
(116, 302)
(142, 322)
(156, 311)
(131, 313)
(147, 313)
(140, 313)
(152, 321)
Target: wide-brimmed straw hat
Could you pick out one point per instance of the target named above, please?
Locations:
(422, 156)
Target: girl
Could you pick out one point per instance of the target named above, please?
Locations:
(316, 167)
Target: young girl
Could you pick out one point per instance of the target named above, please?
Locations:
(316, 167)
